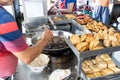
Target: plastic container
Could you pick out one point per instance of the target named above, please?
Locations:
(38, 64)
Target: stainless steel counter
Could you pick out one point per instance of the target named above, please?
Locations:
(24, 73)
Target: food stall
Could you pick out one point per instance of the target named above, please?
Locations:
(59, 59)
(98, 41)
(87, 49)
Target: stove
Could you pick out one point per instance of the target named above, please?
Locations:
(61, 61)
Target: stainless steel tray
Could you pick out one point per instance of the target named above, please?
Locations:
(81, 55)
(93, 52)
(62, 17)
(108, 77)
(60, 24)
(85, 30)
(66, 21)
(115, 76)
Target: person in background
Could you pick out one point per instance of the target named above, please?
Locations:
(13, 45)
(101, 11)
(64, 6)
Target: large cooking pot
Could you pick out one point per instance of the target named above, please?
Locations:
(54, 52)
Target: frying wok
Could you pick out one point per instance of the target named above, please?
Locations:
(54, 52)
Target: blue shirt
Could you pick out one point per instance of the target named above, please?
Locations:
(69, 1)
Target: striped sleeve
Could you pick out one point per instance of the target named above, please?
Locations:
(10, 36)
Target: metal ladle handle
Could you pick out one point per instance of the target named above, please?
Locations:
(54, 26)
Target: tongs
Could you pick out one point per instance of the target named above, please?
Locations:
(54, 26)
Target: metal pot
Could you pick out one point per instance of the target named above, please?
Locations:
(54, 52)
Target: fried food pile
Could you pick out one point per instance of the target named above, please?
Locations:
(70, 16)
(57, 18)
(85, 42)
(96, 26)
(99, 66)
(62, 17)
(106, 38)
(83, 19)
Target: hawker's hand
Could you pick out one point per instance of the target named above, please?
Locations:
(47, 35)
(54, 9)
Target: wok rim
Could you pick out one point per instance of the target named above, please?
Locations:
(54, 33)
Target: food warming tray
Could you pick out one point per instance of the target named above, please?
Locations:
(115, 76)
(75, 25)
(92, 52)
(81, 55)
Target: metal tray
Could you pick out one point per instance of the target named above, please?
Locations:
(75, 27)
(66, 21)
(81, 55)
(115, 76)
(93, 52)
(62, 17)
(108, 77)
(62, 22)
(85, 30)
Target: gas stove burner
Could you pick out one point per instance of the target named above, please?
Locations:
(61, 59)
